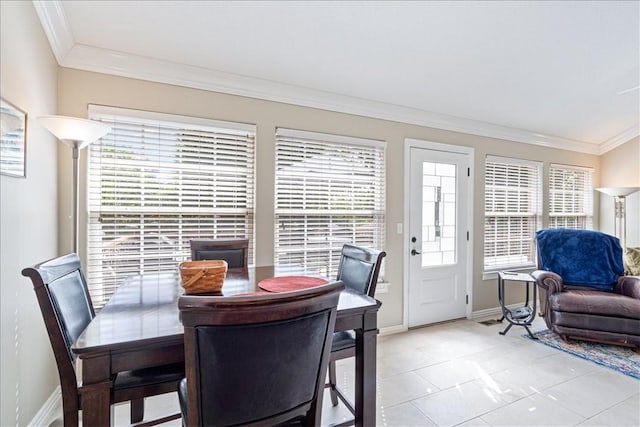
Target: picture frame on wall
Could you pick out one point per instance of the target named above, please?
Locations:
(13, 140)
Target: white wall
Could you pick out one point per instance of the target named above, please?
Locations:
(28, 217)
(621, 168)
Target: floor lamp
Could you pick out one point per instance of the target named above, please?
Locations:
(619, 195)
(77, 134)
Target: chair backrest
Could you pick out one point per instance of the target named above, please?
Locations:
(359, 268)
(234, 251)
(65, 304)
(581, 257)
(259, 358)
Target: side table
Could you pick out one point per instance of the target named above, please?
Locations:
(521, 316)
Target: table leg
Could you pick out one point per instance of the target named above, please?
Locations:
(365, 381)
(95, 392)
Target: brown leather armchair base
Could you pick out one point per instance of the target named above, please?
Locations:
(588, 314)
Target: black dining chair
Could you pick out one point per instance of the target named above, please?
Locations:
(63, 296)
(234, 251)
(257, 359)
(358, 269)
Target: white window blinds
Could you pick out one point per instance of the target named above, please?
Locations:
(157, 181)
(570, 197)
(330, 190)
(513, 208)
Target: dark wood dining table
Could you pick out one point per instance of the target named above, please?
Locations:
(140, 328)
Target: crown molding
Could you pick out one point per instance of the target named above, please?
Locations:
(54, 23)
(93, 59)
(618, 140)
(72, 55)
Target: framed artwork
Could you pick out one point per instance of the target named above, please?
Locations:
(13, 140)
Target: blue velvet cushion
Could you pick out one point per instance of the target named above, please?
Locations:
(581, 257)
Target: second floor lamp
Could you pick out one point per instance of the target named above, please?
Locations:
(76, 133)
(619, 195)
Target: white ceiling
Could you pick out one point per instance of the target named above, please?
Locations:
(552, 73)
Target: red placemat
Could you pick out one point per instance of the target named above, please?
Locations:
(290, 283)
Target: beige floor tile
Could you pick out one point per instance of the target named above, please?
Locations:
(476, 422)
(448, 374)
(539, 374)
(403, 388)
(534, 410)
(594, 392)
(333, 414)
(624, 414)
(400, 362)
(458, 404)
(403, 415)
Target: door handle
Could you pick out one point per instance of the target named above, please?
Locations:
(414, 252)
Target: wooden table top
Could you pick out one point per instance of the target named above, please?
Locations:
(144, 309)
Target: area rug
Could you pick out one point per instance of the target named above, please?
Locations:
(621, 359)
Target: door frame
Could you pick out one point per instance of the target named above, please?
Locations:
(410, 143)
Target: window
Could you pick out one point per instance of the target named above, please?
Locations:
(570, 197)
(512, 212)
(157, 181)
(330, 190)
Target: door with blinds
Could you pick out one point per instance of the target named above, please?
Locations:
(438, 231)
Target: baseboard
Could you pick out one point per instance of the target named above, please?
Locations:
(480, 314)
(493, 312)
(390, 330)
(50, 411)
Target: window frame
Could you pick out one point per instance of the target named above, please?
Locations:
(312, 157)
(189, 188)
(521, 239)
(581, 200)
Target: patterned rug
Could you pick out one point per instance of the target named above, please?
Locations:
(621, 359)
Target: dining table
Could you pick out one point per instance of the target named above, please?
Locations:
(140, 327)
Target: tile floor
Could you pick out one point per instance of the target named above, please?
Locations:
(464, 373)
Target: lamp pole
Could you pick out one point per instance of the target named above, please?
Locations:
(76, 183)
(619, 195)
(76, 133)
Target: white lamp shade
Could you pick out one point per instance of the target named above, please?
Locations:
(73, 130)
(618, 191)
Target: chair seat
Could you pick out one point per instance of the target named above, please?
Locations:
(149, 376)
(343, 340)
(596, 303)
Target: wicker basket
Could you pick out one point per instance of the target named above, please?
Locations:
(199, 277)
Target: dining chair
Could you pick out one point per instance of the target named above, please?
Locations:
(358, 269)
(234, 251)
(63, 296)
(257, 359)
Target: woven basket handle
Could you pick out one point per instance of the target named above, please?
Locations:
(194, 278)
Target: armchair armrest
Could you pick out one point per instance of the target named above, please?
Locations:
(628, 286)
(548, 281)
